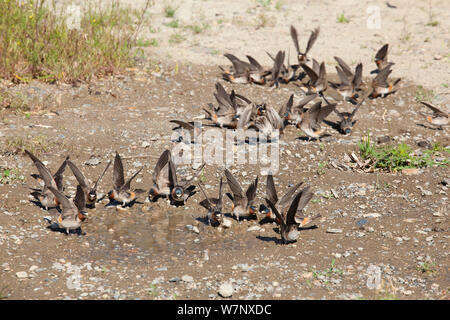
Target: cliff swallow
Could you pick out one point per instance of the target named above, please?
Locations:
(380, 84)
(276, 69)
(188, 131)
(285, 111)
(180, 189)
(302, 56)
(350, 82)
(213, 205)
(299, 217)
(292, 114)
(247, 116)
(72, 212)
(285, 73)
(346, 118)
(46, 197)
(381, 59)
(438, 117)
(288, 225)
(229, 109)
(269, 122)
(90, 193)
(121, 191)
(280, 204)
(317, 81)
(257, 72)
(312, 118)
(240, 71)
(160, 177)
(242, 205)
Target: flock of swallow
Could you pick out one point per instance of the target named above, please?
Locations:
(236, 112)
(67, 214)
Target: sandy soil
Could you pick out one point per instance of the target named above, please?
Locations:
(420, 51)
(391, 222)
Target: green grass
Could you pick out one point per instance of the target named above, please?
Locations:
(8, 176)
(263, 21)
(169, 11)
(396, 158)
(154, 42)
(198, 28)
(342, 19)
(40, 41)
(17, 102)
(143, 43)
(176, 38)
(427, 267)
(321, 169)
(332, 270)
(37, 145)
(433, 23)
(279, 4)
(423, 94)
(153, 291)
(173, 24)
(264, 3)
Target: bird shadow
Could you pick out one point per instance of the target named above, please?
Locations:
(333, 125)
(156, 198)
(313, 227)
(37, 203)
(269, 239)
(428, 126)
(203, 220)
(307, 139)
(265, 220)
(115, 203)
(55, 228)
(207, 222)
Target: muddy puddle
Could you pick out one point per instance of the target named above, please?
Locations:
(164, 234)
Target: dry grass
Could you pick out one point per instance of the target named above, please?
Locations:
(40, 40)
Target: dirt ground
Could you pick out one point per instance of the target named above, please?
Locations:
(395, 223)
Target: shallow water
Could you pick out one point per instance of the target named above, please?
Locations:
(163, 234)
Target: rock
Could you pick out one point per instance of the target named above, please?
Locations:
(226, 290)
(187, 278)
(424, 192)
(399, 102)
(393, 113)
(332, 230)
(175, 279)
(33, 268)
(226, 223)
(424, 144)
(22, 275)
(192, 228)
(93, 161)
(137, 164)
(254, 228)
(371, 215)
(438, 214)
(243, 266)
(410, 171)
